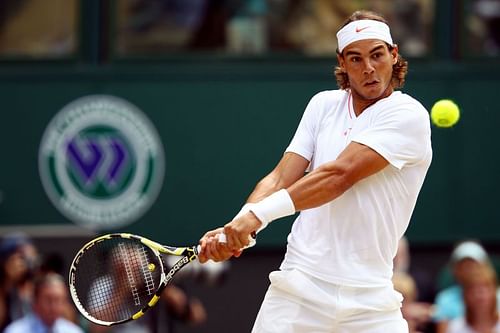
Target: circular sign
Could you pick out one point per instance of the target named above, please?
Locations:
(101, 162)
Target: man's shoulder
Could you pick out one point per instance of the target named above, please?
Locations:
(457, 324)
(330, 95)
(19, 326)
(451, 293)
(402, 106)
(65, 325)
(326, 100)
(400, 98)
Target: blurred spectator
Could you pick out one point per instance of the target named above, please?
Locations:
(422, 278)
(52, 263)
(412, 19)
(417, 314)
(246, 32)
(38, 27)
(402, 259)
(480, 300)
(18, 264)
(260, 26)
(146, 26)
(49, 305)
(180, 308)
(449, 304)
(483, 25)
(311, 25)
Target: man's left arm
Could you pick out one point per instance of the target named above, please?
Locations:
(332, 179)
(320, 186)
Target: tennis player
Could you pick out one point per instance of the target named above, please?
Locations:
(367, 148)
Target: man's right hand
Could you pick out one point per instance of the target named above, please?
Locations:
(213, 249)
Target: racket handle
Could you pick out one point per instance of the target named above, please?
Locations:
(223, 239)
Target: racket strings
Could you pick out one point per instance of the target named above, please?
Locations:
(146, 268)
(117, 278)
(130, 274)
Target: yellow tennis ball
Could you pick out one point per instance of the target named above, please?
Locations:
(445, 113)
(151, 267)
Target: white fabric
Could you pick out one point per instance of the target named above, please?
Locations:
(245, 209)
(33, 324)
(353, 239)
(458, 325)
(277, 205)
(296, 303)
(363, 29)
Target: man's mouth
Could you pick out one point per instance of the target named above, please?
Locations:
(371, 83)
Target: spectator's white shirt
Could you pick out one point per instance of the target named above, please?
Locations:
(32, 324)
(458, 325)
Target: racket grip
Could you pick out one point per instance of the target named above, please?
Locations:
(223, 239)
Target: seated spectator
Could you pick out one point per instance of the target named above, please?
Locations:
(417, 314)
(18, 264)
(480, 301)
(401, 261)
(49, 304)
(448, 303)
(424, 281)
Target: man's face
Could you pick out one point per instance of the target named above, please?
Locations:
(462, 267)
(51, 302)
(368, 64)
(482, 294)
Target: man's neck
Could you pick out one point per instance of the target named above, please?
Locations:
(360, 103)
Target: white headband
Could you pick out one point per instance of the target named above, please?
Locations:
(363, 29)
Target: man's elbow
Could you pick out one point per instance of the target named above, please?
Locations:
(340, 179)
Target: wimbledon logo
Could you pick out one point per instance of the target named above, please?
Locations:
(101, 162)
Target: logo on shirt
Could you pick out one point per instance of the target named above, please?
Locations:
(101, 162)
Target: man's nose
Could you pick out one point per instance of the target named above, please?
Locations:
(368, 67)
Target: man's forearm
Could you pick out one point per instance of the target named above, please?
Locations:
(267, 186)
(290, 169)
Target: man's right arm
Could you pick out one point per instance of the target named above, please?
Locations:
(290, 168)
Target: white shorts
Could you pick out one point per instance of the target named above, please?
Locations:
(298, 303)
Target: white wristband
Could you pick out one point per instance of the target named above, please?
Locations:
(277, 205)
(245, 209)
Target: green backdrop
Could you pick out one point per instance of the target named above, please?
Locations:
(225, 123)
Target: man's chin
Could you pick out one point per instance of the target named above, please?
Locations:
(372, 93)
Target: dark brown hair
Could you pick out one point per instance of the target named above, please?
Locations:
(477, 275)
(399, 69)
(46, 279)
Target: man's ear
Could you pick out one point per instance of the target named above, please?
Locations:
(341, 62)
(394, 53)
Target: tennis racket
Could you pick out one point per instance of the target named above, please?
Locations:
(117, 277)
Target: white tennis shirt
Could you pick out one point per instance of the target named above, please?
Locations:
(353, 239)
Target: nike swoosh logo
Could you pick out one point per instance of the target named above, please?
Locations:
(361, 29)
